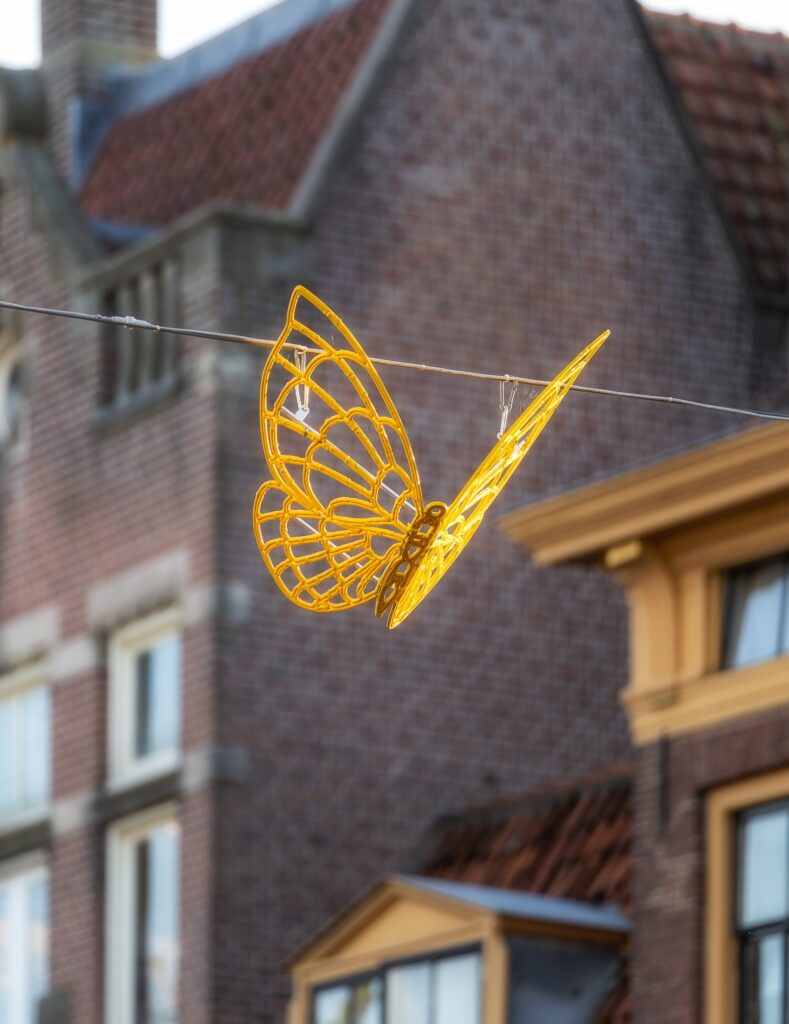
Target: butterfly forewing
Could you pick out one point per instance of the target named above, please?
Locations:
(345, 486)
(466, 512)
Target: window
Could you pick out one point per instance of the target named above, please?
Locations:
(12, 384)
(762, 916)
(441, 990)
(24, 943)
(140, 363)
(143, 920)
(24, 747)
(145, 698)
(757, 612)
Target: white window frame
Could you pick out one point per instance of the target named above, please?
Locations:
(120, 902)
(13, 685)
(126, 644)
(28, 868)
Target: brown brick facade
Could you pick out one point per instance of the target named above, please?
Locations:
(673, 782)
(517, 185)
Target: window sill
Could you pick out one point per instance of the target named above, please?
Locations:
(111, 416)
(24, 833)
(132, 795)
(682, 705)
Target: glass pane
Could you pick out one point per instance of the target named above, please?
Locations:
(334, 1005)
(764, 981)
(8, 745)
(367, 997)
(158, 698)
(408, 995)
(764, 871)
(755, 609)
(38, 948)
(157, 931)
(457, 995)
(5, 957)
(36, 752)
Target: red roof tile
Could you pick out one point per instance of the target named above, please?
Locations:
(571, 841)
(734, 87)
(246, 134)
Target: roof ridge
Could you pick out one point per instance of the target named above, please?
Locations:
(730, 27)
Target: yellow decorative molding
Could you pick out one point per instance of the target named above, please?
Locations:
(667, 533)
(583, 523)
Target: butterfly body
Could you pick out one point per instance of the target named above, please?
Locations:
(343, 521)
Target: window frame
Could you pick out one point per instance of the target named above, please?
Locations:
(120, 899)
(27, 867)
(12, 686)
(776, 926)
(380, 971)
(126, 644)
(725, 807)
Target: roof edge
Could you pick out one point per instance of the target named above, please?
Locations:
(304, 204)
(676, 107)
(150, 242)
(581, 524)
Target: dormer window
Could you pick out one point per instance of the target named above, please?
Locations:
(756, 612)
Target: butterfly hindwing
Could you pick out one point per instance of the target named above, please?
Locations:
(345, 486)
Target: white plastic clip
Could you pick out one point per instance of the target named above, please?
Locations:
(302, 391)
(506, 404)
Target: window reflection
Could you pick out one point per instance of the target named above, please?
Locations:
(24, 751)
(24, 945)
(157, 698)
(763, 913)
(756, 603)
(156, 926)
(443, 990)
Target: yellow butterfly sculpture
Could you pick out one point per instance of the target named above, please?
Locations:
(342, 521)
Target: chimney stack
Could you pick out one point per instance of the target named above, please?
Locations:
(80, 39)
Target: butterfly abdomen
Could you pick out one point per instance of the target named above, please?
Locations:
(420, 534)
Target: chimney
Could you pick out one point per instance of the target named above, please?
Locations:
(80, 39)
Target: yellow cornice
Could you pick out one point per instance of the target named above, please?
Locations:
(582, 524)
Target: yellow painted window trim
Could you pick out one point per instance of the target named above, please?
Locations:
(721, 960)
(494, 966)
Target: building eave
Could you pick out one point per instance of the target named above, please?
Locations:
(582, 524)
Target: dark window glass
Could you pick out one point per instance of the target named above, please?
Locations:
(139, 362)
(756, 612)
(762, 922)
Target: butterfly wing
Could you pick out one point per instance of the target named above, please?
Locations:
(345, 486)
(466, 512)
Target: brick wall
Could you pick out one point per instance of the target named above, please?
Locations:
(668, 963)
(517, 186)
(80, 504)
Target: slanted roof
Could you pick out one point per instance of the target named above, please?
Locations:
(733, 87)
(572, 841)
(247, 133)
